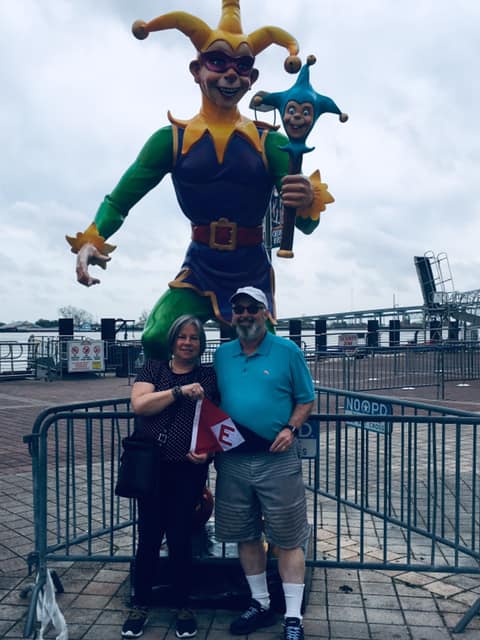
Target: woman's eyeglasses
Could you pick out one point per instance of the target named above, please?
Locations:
(251, 308)
(220, 62)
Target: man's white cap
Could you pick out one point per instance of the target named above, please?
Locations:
(252, 292)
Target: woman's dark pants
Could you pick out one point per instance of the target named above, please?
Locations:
(169, 513)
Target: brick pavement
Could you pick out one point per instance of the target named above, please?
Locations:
(344, 604)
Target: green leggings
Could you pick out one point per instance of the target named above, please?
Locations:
(174, 303)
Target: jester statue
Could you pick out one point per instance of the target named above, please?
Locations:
(223, 167)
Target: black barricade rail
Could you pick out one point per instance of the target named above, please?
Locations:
(391, 485)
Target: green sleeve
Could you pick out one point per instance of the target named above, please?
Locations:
(277, 159)
(278, 166)
(152, 163)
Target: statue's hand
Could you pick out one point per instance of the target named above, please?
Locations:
(296, 191)
(87, 255)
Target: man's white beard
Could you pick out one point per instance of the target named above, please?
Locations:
(249, 332)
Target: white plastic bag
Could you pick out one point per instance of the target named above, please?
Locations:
(49, 611)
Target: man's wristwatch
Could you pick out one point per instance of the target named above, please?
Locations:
(292, 429)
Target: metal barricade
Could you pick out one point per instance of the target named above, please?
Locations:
(75, 451)
(391, 485)
(398, 485)
(371, 369)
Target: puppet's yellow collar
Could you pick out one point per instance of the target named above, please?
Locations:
(221, 124)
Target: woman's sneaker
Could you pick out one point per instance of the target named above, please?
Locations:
(186, 625)
(252, 619)
(133, 625)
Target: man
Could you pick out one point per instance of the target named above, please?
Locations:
(223, 167)
(266, 387)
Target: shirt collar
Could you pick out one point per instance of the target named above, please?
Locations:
(263, 348)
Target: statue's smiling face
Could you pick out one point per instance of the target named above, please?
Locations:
(224, 75)
(298, 119)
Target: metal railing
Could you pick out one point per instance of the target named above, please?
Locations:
(17, 359)
(357, 369)
(391, 485)
(38, 357)
(371, 369)
(402, 480)
(46, 357)
(74, 448)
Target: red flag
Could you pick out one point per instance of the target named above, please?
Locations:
(213, 430)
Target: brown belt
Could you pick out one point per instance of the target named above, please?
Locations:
(227, 236)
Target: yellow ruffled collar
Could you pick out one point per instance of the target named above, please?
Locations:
(221, 124)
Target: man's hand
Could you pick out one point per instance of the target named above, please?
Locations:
(296, 191)
(283, 441)
(87, 255)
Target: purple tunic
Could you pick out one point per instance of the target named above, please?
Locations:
(239, 189)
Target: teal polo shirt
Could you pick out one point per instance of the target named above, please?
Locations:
(260, 390)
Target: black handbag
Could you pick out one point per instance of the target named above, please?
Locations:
(138, 467)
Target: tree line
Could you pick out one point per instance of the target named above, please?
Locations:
(80, 317)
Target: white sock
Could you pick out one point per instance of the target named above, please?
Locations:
(293, 599)
(259, 589)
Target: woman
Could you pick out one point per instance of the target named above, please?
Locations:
(164, 395)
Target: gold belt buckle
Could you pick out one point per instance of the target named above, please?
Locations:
(223, 223)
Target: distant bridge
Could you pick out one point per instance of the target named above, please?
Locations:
(442, 303)
(415, 314)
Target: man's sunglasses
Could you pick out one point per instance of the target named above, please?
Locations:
(251, 308)
(220, 62)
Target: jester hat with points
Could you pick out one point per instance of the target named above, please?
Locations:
(229, 29)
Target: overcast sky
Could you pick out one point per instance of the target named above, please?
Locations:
(80, 96)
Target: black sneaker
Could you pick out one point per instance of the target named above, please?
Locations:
(133, 625)
(252, 619)
(293, 629)
(186, 625)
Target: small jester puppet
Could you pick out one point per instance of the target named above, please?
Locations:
(299, 107)
(223, 167)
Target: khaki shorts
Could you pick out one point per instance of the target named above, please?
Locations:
(252, 485)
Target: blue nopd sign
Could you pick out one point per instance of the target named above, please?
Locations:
(367, 407)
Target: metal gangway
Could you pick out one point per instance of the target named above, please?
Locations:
(439, 293)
